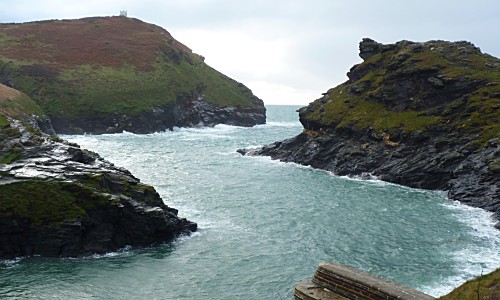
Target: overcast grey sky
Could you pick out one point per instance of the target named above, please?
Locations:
(287, 51)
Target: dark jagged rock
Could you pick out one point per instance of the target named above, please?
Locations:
(57, 199)
(424, 115)
(99, 207)
(188, 111)
(368, 47)
(194, 110)
(110, 74)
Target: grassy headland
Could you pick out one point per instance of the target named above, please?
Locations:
(414, 86)
(97, 67)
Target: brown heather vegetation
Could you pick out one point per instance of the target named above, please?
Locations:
(69, 43)
(7, 93)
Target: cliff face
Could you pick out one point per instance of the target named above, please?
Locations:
(424, 115)
(59, 200)
(106, 75)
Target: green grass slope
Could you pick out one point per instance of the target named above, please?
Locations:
(17, 105)
(93, 67)
(414, 86)
(485, 287)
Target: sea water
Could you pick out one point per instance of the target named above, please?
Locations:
(263, 225)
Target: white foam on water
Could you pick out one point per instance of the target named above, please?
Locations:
(279, 124)
(368, 178)
(129, 250)
(220, 131)
(125, 251)
(482, 256)
(78, 138)
(285, 164)
(250, 147)
(9, 263)
(220, 128)
(186, 237)
(127, 133)
(371, 178)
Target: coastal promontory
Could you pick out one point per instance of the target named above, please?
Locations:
(420, 114)
(57, 199)
(113, 74)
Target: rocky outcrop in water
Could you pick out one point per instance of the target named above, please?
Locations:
(190, 110)
(424, 115)
(193, 110)
(57, 199)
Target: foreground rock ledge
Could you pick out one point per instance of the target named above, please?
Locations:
(59, 200)
(333, 281)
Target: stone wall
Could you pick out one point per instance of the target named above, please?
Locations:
(336, 281)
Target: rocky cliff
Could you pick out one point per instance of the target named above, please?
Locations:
(109, 74)
(424, 115)
(57, 199)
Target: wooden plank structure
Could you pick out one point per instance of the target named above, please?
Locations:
(334, 281)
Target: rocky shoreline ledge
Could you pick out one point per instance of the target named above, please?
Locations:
(423, 115)
(188, 111)
(57, 199)
(96, 75)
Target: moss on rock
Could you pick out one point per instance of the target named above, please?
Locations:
(4, 122)
(485, 287)
(414, 86)
(48, 203)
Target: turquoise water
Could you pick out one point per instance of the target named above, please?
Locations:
(263, 225)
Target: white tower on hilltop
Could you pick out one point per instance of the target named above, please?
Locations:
(123, 13)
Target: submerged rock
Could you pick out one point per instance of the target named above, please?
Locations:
(424, 115)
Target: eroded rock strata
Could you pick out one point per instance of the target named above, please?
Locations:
(188, 111)
(424, 115)
(57, 199)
